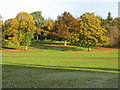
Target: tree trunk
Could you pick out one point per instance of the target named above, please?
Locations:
(26, 47)
(89, 49)
(45, 38)
(65, 43)
(37, 37)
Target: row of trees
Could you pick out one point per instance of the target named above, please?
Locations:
(112, 25)
(86, 30)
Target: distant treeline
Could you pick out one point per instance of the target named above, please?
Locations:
(86, 30)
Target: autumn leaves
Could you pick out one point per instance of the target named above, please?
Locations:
(85, 31)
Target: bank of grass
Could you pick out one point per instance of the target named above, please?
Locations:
(57, 67)
(29, 77)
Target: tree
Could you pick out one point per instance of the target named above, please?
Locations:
(1, 23)
(99, 17)
(15, 28)
(25, 25)
(106, 23)
(27, 39)
(91, 32)
(114, 33)
(47, 28)
(64, 27)
(39, 22)
(109, 17)
(116, 22)
(9, 32)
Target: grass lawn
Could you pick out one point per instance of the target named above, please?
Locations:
(51, 65)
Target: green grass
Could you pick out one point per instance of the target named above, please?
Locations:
(58, 67)
(28, 77)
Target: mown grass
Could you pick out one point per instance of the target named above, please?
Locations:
(50, 66)
(29, 77)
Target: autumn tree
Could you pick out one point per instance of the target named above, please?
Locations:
(47, 28)
(116, 22)
(114, 33)
(5, 26)
(9, 32)
(64, 27)
(39, 23)
(90, 31)
(16, 28)
(106, 23)
(1, 23)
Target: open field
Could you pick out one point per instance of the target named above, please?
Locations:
(51, 65)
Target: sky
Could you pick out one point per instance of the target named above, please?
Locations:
(53, 8)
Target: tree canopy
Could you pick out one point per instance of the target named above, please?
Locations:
(39, 22)
(15, 29)
(90, 31)
(64, 26)
(85, 30)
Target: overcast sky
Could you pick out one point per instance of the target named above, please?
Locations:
(53, 8)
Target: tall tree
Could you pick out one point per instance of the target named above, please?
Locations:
(39, 22)
(109, 17)
(64, 27)
(116, 22)
(114, 33)
(1, 23)
(106, 23)
(90, 31)
(27, 39)
(4, 34)
(16, 28)
(47, 28)
(9, 32)
(25, 25)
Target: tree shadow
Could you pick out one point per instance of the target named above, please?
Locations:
(8, 48)
(64, 67)
(59, 48)
(45, 42)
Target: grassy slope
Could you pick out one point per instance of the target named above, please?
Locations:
(58, 58)
(26, 77)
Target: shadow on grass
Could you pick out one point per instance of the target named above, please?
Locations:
(64, 67)
(63, 48)
(44, 42)
(8, 48)
(47, 45)
(16, 76)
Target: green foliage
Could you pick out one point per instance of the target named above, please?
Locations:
(90, 31)
(109, 17)
(27, 39)
(106, 23)
(5, 42)
(38, 18)
(39, 23)
(14, 29)
(99, 17)
(86, 30)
